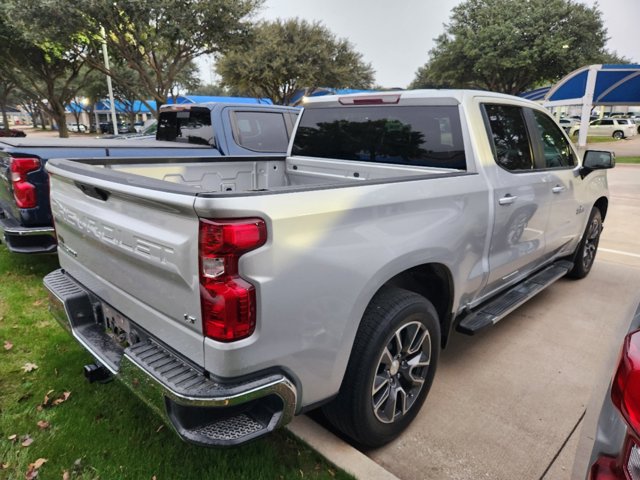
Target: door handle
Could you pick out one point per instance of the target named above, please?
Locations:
(558, 189)
(508, 199)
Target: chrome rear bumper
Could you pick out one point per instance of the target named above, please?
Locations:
(21, 239)
(201, 410)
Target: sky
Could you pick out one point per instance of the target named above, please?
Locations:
(395, 37)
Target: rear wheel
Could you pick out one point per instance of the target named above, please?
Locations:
(587, 248)
(618, 135)
(390, 370)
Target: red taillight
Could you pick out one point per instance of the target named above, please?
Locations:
(625, 388)
(625, 396)
(228, 301)
(23, 191)
(605, 468)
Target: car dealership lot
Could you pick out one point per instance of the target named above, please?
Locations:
(508, 403)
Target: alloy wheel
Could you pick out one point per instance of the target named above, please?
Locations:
(401, 372)
(591, 244)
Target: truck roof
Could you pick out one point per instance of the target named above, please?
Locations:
(213, 105)
(414, 97)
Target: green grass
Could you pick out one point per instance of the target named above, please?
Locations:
(102, 431)
(574, 138)
(627, 159)
(601, 139)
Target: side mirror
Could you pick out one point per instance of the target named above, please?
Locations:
(596, 160)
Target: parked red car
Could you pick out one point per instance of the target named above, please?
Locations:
(11, 132)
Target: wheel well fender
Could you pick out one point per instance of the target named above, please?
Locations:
(434, 282)
(602, 204)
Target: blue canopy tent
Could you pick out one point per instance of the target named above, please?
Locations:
(595, 85)
(535, 95)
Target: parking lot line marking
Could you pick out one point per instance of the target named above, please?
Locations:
(620, 252)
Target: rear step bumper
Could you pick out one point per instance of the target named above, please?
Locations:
(21, 239)
(201, 410)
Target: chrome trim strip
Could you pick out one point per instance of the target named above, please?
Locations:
(58, 310)
(26, 231)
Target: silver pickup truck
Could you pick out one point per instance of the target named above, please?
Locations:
(233, 293)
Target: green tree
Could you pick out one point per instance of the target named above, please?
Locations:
(160, 39)
(612, 58)
(285, 56)
(33, 109)
(210, 90)
(511, 45)
(187, 81)
(49, 70)
(157, 39)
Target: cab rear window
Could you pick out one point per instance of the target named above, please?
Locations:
(264, 132)
(187, 126)
(429, 136)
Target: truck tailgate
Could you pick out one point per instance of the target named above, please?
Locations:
(136, 249)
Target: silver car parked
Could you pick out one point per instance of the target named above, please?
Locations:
(617, 128)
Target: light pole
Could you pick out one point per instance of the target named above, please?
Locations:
(109, 86)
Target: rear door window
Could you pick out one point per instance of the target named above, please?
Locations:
(429, 136)
(508, 132)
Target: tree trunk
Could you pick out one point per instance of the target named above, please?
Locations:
(132, 121)
(5, 118)
(58, 114)
(3, 108)
(156, 112)
(92, 118)
(63, 131)
(76, 115)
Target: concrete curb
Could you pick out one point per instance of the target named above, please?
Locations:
(337, 451)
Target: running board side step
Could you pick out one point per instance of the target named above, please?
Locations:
(491, 313)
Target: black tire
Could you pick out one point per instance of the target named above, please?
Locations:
(618, 135)
(397, 343)
(585, 254)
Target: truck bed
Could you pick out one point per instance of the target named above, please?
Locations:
(229, 175)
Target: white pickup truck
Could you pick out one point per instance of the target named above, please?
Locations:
(234, 293)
